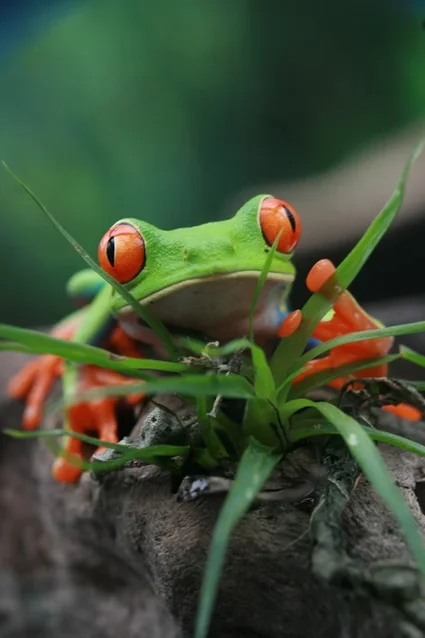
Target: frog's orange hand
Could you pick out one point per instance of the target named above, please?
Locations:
(96, 416)
(34, 382)
(348, 317)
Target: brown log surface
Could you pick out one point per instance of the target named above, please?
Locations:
(120, 555)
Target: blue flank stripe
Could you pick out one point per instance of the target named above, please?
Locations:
(104, 331)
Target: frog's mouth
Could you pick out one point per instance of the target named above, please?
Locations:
(217, 307)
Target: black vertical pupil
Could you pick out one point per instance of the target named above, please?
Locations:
(291, 219)
(110, 251)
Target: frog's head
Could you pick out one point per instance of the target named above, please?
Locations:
(202, 279)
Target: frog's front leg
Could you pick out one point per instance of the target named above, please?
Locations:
(33, 383)
(96, 415)
(348, 317)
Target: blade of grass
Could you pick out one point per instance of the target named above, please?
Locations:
(260, 285)
(324, 378)
(365, 335)
(10, 346)
(372, 464)
(291, 348)
(209, 436)
(233, 386)
(160, 455)
(256, 465)
(159, 329)
(414, 357)
(263, 379)
(299, 433)
(135, 453)
(41, 343)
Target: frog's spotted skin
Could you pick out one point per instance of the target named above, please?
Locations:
(197, 280)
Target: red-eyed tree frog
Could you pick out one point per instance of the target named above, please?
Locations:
(195, 280)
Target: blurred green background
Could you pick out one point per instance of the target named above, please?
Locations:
(168, 110)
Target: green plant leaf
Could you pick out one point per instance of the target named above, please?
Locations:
(159, 329)
(41, 343)
(260, 285)
(10, 346)
(412, 356)
(365, 335)
(195, 385)
(299, 433)
(263, 379)
(209, 436)
(135, 453)
(367, 455)
(321, 379)
(154, 454)
(291, 348)
(256, 465)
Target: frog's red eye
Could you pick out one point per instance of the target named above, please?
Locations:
(121, 252)
(277, 216)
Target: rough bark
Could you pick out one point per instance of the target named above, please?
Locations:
(120, 555)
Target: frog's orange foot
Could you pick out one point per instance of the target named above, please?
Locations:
(34, 382)
(348, 317)
(404, 411)
(95, 416)
(290, 323)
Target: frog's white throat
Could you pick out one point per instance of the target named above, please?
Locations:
(217, 307)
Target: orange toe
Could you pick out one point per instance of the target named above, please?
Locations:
(404, 411)
(64, 471)
(319, 274)
(290, 323)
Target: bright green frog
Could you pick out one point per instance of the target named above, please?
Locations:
(195, 280)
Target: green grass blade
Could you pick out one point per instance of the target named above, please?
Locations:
(155, 455)
(260, 285)
(414, 357)
(135, 453)
(367, 455)
(256, 465)
(209, 436)
(41, 343)
(299, 433)
(264, 386)
(291, 348)
(365, 335)
(233, 386)
(323, 378)
(263, 379)
(151, 321)
(11, 346)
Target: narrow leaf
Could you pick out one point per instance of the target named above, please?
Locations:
(256, 465)
(321, 379)
(260, 285)
(365, 335)
(233, 386)
(151, 321)
(41, 343)
(133, 453)
(370, 460)
(299, 433)
(291, 348)
(412, 356)
(209, 436)
(263, 379)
